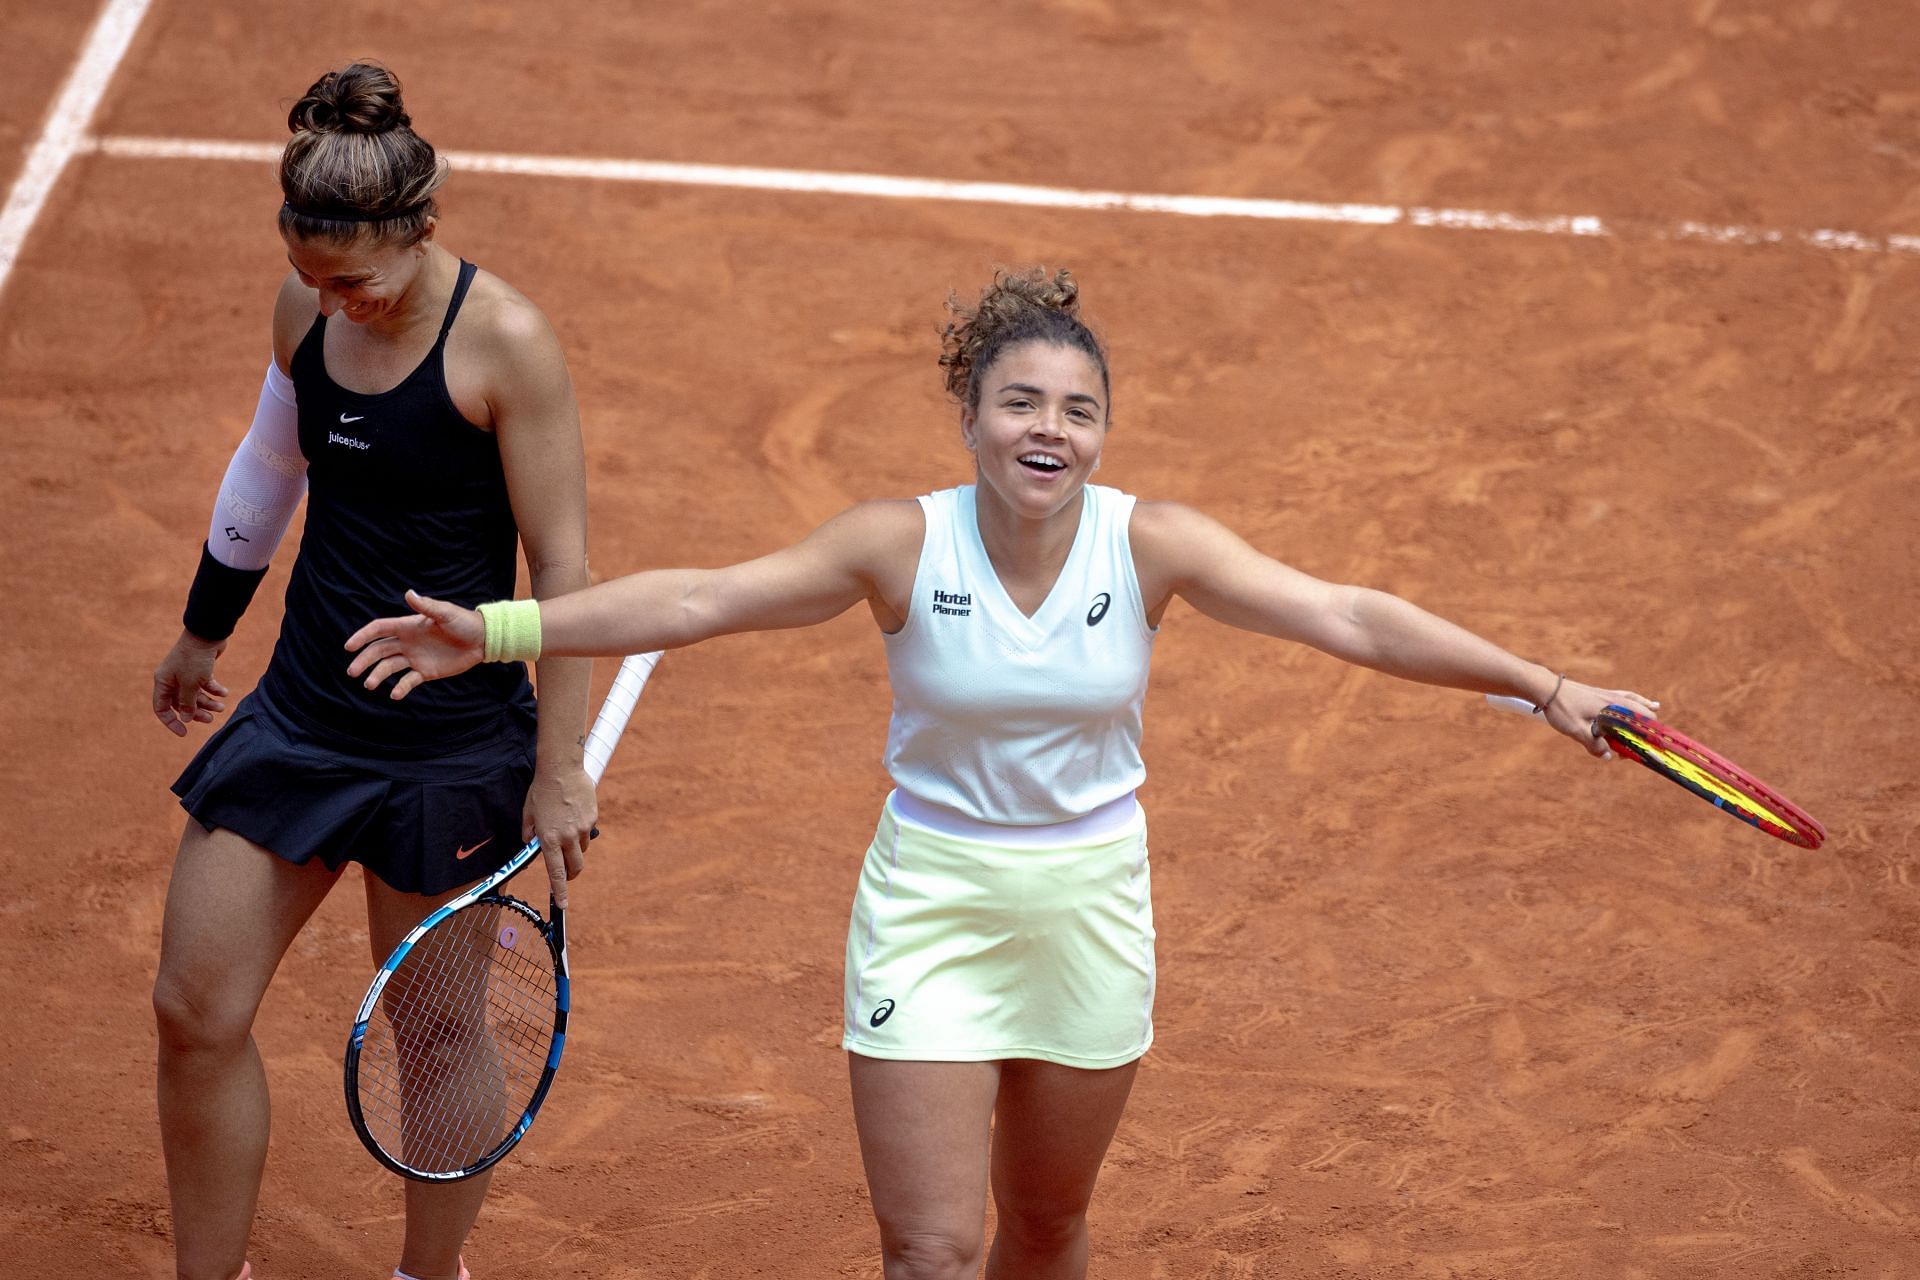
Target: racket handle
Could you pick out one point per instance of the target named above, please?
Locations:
(612, 720)
(1519, 706)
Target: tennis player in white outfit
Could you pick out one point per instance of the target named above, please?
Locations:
(999, 965)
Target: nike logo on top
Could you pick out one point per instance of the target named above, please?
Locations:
(344, 419)
(464, 854)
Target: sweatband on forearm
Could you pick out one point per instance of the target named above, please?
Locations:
(218, 597)
(513, 631)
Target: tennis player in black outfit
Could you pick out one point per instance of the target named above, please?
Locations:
(424, 409)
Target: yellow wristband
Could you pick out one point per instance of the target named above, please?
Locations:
(513, 631)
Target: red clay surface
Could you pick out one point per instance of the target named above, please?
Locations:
(41, 43)
(1439, 996)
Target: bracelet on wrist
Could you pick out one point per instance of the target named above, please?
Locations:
(1541, 708)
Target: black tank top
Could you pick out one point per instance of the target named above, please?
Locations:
(402, 491)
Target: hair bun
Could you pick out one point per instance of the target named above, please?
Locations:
(362, 98)
(1061, 293)
(1019, 306)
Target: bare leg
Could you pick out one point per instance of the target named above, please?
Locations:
(924, 1137)
(1051, 1128)
(232, 910)
(439, 1215)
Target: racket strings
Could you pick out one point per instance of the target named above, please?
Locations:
(1727, 785)
(459, 1039)
(1708, 775)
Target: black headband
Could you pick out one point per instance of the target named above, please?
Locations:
(351, 215)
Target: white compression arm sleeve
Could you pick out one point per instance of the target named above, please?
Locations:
(264, 482)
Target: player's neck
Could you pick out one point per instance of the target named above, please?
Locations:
(1026, 551)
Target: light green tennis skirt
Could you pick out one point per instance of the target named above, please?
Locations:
(961, 949)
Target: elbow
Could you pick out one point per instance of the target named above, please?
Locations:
(1354, 607)
(694, 614)
(557, 576)
(1365, 640)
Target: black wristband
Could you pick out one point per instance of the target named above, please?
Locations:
(218, 597)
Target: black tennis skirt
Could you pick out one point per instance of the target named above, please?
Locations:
(423, 824)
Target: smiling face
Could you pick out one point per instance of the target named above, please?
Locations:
(367, 278)
(1037, 430)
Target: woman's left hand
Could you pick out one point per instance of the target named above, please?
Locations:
(1576, 705)
(438, 640)
(561, 808)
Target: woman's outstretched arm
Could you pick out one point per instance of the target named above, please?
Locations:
(1181, 552)
(858, 555)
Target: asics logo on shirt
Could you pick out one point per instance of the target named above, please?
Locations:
(881, 1014)
(1099, 610)
(334, 437)
(960, 604)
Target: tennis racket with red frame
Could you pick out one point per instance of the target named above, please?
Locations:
(1709, 775)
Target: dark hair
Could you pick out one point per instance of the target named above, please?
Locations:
(354, 165)
(1026, 307)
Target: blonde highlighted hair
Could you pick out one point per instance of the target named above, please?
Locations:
(354, 165)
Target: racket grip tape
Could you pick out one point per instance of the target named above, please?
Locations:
(612, 720)
(1519, 706)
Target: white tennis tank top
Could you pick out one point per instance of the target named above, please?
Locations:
(1012, 719)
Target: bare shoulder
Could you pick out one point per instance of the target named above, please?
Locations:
(499, 315)
(1176, 547)
(884, 519)
(1167, 530)
(293, 311)
(504, 351)
(880, 537)
(880, 542)
(1157, 518)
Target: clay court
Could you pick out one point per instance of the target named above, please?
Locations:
(1439, 996)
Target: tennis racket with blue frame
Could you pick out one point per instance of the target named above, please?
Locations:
(456, 1043)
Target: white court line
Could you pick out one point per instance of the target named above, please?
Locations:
(66, 128)
(859, 184)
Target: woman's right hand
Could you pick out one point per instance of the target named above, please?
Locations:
(184, 690)
(439, 640)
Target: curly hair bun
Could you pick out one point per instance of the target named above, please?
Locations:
(1061, 293)
(361, 98)
(1030, 305)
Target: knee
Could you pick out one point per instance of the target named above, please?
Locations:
(194, 1021)
(930, 1254)
(1042, 1230)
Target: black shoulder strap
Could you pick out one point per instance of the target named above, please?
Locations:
(467, 272)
